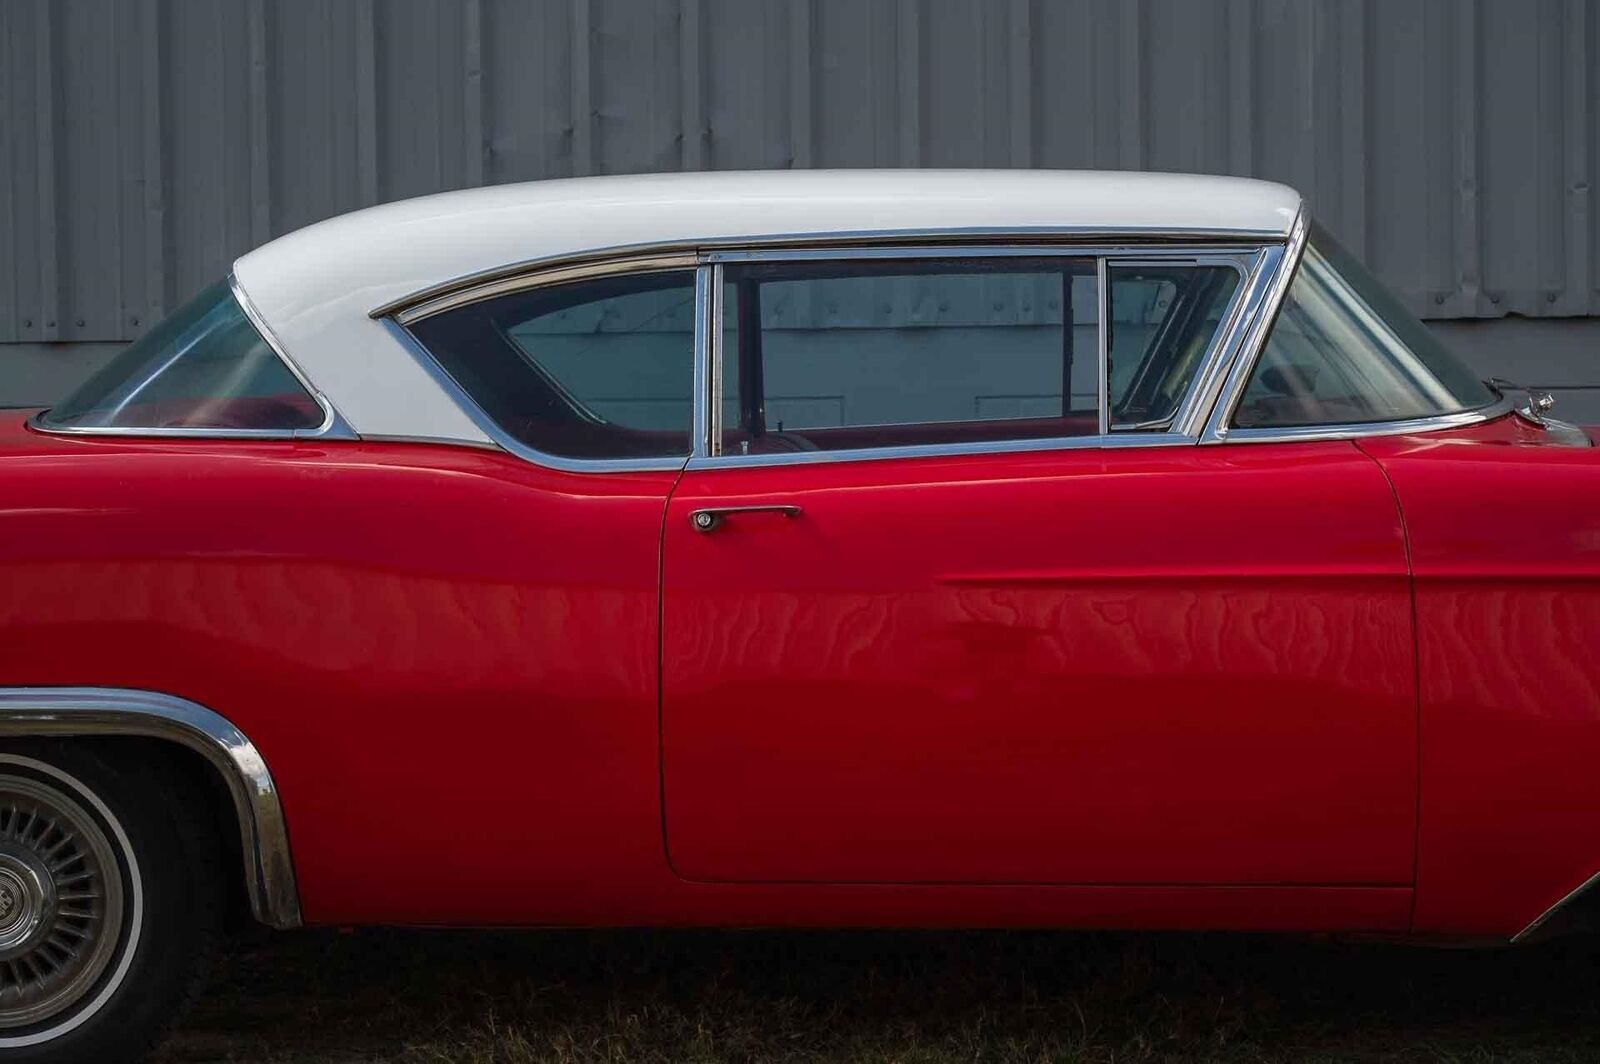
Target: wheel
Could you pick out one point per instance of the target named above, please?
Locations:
(110, 904)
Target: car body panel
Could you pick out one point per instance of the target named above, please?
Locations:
(1505, 540)
(457, 705)
(439, 651)
(1161, 665)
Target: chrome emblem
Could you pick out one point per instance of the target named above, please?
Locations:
(8, 903)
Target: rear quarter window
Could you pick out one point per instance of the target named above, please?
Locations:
(204, 367)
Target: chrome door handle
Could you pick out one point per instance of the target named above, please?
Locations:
(710, 518)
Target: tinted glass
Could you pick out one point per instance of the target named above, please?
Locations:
(595, 369)
(205, 366)
(892, 353)
(1344, 350)
(1164, 319)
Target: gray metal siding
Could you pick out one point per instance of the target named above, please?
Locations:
(145, 143)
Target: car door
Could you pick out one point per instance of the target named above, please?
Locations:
(953, 603)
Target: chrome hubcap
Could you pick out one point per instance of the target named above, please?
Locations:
(61, 901)
(26, 897)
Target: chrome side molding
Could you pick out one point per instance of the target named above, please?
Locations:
(1543, 918)
(264, 837)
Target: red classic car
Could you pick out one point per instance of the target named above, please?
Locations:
(872, 548)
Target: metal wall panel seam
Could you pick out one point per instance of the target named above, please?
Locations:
(472, 127)
(11, 305)
(1021, 71)
(908, 82)
(158, 275)
(260, 124)
(116, 315)
(692, 134)
(1578, 136)
(802, 103)
(1241, 86)
(1469, 249)
(47, 166)
(1131, 80)
(583, 116)
(1353, 142)
(366, 89)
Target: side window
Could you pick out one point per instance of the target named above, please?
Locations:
(832, 356)
(1345, 351)
(204, 367)
(1163, 321)
(593, 369)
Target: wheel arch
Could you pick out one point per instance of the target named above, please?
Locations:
(45, 712)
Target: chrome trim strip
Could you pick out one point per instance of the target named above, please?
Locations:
(1197, 405)
(1102, 313)
(441, 441)
(540, 278)
(699, 442)
(1147, 252)
(333, 426)
(716, 334)
(1266, 314)
(1359, 430)
(332, 422)
(68, 711)
(708, 427)
(504, 440)
(1544, 917)
(264, 435)
(1218, 428)
(910, 237)
(946, 450)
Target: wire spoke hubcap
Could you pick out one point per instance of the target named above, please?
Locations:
(61, 892)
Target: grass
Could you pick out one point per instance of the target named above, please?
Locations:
(920, 998)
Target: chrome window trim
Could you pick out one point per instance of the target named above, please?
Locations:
(1143, 251)
(540, 278)
(1247, 259)
(906, 239)
(333, 426)
(100, 711)
(1102, 318)
(707, 309)
(1113, 440)
(511, 445)
(1208, 384)
(1222, 339)
(1356, 430)
(1251, 254)
(1255, 340)
(1219, 427)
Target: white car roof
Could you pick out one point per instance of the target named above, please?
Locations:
(315, 288)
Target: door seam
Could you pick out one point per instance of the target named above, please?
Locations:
(661, 670)
(1416, 673)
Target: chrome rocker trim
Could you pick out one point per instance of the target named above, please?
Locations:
(1527, 932)
(264, 838)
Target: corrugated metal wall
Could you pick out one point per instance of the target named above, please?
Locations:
(145, 143)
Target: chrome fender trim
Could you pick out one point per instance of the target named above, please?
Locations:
(263, 833)
(1527, 932)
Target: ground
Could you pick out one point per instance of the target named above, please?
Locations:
(621, 997)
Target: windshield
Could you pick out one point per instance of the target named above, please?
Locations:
(204, 367)
(1344, 350)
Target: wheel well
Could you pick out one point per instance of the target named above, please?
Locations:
(194, 780)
